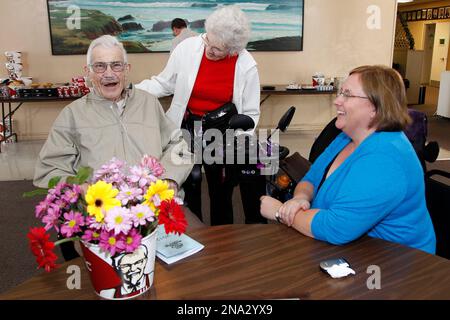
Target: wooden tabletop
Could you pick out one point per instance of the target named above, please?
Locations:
(270, 262)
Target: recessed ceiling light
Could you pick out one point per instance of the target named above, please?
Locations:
(404, 1)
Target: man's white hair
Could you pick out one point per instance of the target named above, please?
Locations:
(106, 41)
(231, 25)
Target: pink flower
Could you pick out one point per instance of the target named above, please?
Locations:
(128, 194)
(71, 195)
(92, 223)
(74, 220)
(57, 190)
(41, 209)
(132, 240)
(111, 242)
(91, 235)
(141, 214)
(51, 219)
(118, 219)
(153, 165)
(140, 177)
(111, 172)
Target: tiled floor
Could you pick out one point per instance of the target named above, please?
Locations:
(17, 160)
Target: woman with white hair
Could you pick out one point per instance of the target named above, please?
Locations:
(206, 73)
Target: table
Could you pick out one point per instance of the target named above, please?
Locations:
(270, 262)
(7, 117)
(281, 90)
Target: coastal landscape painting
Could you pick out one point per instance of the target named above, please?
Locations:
(144, 25)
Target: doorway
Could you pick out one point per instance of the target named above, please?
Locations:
(440, 51)
(428, 46)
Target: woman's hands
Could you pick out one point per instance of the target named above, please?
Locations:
(286, 211)
(269, 206)
(290, 208)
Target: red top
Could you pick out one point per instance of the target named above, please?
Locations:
(213, 86)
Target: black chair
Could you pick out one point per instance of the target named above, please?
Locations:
(438, 202)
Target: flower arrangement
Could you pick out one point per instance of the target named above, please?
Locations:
(121, 205)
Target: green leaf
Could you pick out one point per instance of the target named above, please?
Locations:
(72, 180)
(53, 182)
(84, 173)
(37, 192)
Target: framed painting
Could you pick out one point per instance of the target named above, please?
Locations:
(145, 25)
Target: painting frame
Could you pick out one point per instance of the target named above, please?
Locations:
(435, 13)
(94, 21)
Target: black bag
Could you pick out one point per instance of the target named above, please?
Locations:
(219, 118)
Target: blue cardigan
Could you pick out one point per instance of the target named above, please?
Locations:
(378, 190)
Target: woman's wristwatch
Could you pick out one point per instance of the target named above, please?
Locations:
(277, 217)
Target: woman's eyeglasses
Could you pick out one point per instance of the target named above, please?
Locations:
(346, 95)
(215, 50)
(100, 67)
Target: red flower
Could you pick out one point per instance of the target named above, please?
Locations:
(42, 248)
(172, 216)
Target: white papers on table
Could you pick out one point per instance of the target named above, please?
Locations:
(173, 247)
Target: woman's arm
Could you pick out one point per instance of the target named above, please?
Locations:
(302, 219)
(251, 95)
(303, 195)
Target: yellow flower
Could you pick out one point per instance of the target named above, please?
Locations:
(160, 189)
(100, 197)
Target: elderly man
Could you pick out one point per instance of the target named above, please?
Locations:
(112, 121)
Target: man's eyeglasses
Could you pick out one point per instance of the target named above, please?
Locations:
(214, 49)
(100, 67)
(346, 95)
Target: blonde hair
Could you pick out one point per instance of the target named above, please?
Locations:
(386, 91)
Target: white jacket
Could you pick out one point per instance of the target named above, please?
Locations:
(178, 78)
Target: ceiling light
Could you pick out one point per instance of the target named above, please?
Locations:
(404, 1)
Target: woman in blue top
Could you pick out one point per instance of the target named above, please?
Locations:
(369, 179)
